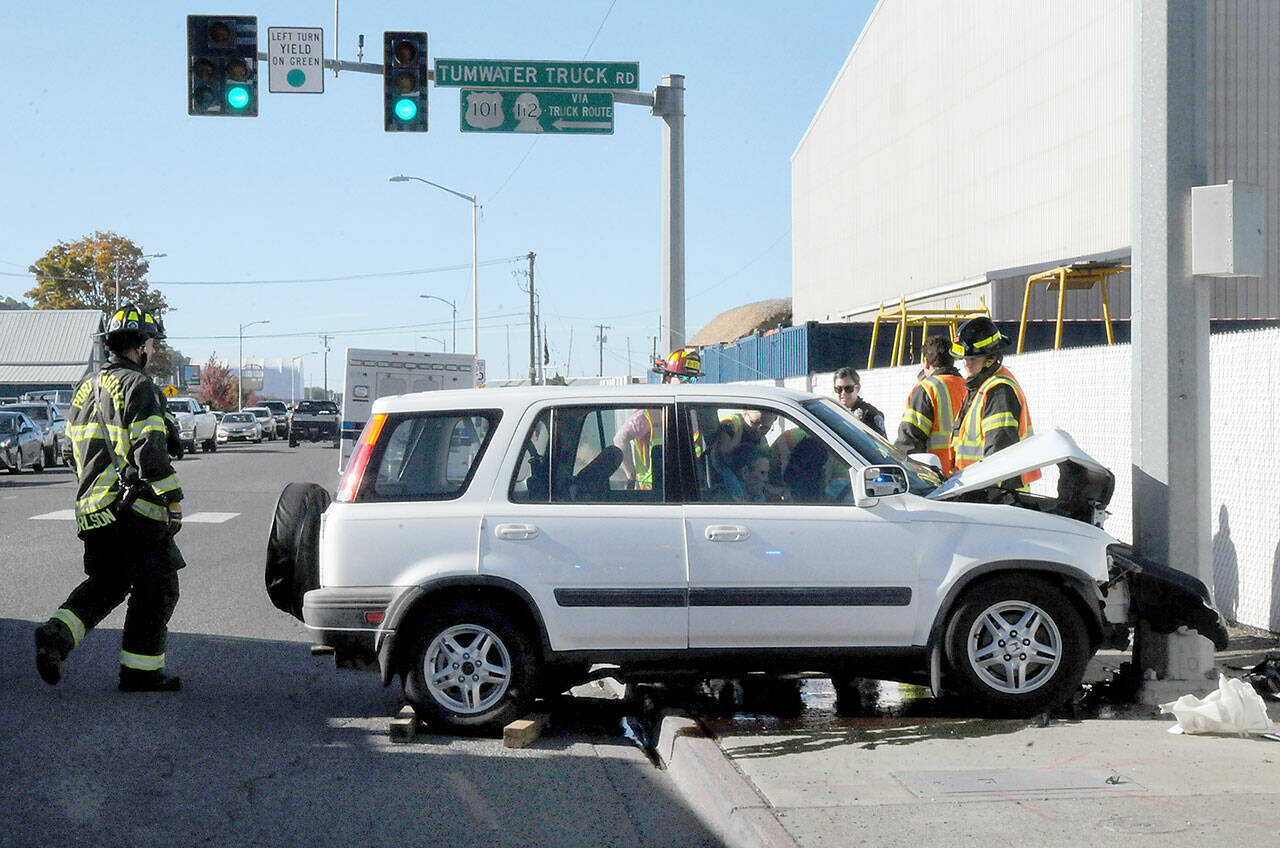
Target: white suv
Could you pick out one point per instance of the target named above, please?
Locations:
(489, 545)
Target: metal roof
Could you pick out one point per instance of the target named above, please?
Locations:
(48, 345)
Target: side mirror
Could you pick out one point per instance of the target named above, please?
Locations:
(929, 459)
(877, 481)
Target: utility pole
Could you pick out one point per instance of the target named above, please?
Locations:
(324, 341)
(533, 328)
(628, 360)
(600, 338)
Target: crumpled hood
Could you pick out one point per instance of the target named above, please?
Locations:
(1038, 451)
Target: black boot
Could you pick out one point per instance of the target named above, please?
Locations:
(137, 680)
(53, 643)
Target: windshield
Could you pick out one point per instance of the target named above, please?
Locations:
(238, 418)
(871, 446)
(261, 413)
(35, 413)
(8, 424)
(321, 406)
(178, 406)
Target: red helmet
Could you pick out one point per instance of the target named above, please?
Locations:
(684, 363)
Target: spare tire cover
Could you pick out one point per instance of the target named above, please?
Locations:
(293, 548)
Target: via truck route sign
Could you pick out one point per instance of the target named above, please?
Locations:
(537, 111)
(525, 74)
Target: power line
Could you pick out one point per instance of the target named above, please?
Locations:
(348, 278)
(399, 328)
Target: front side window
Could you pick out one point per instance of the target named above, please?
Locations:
(921, 479)
(593, 454)
(427, 456)
(757, 455)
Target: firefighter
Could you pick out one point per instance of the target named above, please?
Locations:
(128, 509)
(994, 414)
(641, 434)
(930, 415)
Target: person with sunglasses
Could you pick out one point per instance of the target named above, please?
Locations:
(846, 386)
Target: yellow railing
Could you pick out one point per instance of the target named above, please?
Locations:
(905, 319)
(1077, 277)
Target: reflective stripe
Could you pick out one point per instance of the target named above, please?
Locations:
(150, 510)
(642, 452)
(914, 418)
(153, 424)
(73, 622)
(1000, 419)
(142, 662)
(166, 484)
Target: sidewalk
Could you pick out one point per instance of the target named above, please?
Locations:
(901, 780)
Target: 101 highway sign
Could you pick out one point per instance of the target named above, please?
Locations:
(533, 111)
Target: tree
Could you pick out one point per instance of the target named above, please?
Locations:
(84, 274)
(218, 385)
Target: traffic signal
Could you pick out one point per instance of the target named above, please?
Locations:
(222, 65)
(404, 81)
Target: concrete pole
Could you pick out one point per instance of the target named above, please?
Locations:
(533, 328)
(1170, 401)
(668, 101)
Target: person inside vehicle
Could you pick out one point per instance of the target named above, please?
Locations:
(808, 471)
(743, 478)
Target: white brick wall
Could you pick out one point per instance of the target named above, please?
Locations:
(1086, 391)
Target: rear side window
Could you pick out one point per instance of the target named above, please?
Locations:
(427, 456)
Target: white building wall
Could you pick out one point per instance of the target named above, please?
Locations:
(960, 138)
(1085, 391)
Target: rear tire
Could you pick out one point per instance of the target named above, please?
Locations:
(1016, 645)
(472, 668)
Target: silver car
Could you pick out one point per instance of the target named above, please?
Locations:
(51, 426)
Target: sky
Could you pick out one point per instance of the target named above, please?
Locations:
(289, 217)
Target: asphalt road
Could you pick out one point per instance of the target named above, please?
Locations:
(267, 745)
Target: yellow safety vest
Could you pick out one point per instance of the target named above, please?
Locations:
(970, 438)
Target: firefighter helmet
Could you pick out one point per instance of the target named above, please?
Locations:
(978, 337)
(132, 319)
(684, 363)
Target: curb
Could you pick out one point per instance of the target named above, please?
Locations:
(717, 792)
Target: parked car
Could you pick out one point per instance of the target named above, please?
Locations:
(50, 424)
(314, 420)
(487, 546)
(279, 412)
(20, 443)
(196, 425)
(239, 427)
(266, 419)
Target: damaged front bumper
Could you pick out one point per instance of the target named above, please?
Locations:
(1164, 597)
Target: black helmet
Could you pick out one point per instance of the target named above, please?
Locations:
(978, 337)
(132, 319)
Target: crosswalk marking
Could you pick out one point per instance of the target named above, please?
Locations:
(193, 518)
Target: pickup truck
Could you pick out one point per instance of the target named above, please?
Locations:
(195, 424)
(314, 420)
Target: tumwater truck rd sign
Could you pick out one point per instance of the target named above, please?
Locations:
(519, 73)
(537, 111)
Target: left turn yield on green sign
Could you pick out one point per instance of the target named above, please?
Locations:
(295, 58)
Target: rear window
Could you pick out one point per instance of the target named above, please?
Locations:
(427, 456)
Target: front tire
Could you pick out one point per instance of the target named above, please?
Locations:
(1017, 645)
(472, 668)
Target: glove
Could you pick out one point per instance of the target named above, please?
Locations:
(175, 518)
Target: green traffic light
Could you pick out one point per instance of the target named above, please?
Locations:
(237, 97)
(406, 109)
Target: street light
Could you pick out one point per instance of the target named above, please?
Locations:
(434, 339)
(452, 305)
(115, 274)
(475, 288)
(240, 364)
(293, 364)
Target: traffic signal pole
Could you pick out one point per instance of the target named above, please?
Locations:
(667, 102)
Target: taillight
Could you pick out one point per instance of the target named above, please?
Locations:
(360, 460)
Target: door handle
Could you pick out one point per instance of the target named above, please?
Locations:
(727, 533)
(515, 532)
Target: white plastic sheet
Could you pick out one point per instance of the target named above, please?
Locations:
(1234, 708)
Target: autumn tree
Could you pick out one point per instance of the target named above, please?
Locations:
(86, 274)
(218, 385)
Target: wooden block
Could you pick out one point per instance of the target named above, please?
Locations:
(523, 732)
(404, 727)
